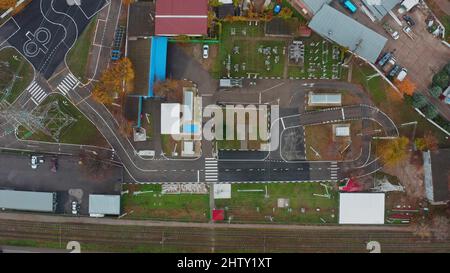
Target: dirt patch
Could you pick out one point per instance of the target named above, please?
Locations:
(320, 139)
(196, 50)
(411, 177)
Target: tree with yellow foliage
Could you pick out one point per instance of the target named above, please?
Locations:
(113, 81)
(394, 151)
(427, 143)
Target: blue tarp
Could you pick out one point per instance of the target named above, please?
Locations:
(158, 62)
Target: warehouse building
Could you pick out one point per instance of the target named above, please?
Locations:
(28, 201)
(345, 31)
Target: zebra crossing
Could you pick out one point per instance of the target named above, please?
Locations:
(334, 170)
(37, 93)
(70, 82)
(211, 172)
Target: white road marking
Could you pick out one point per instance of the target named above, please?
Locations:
(36, 92)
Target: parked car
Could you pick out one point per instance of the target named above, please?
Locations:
(34, 162)
(394, 71)
(409, 20)
(394, 34)
(205, 51)
(75, 207)
(388, 66)
(349, 5)
(402, 75)
(384, 59)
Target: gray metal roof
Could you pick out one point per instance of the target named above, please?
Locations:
(104, 204)
(382, 8)
(347, 32)
(27, 200)
(315, 5)
(437, 173)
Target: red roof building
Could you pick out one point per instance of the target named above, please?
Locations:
(181, 17)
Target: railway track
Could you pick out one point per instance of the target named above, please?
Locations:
(131, 238)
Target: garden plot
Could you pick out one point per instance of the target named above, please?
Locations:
(261, 59)
(321, 61)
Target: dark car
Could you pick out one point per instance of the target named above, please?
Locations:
(409, 20)
(384, 59)
(394, 71)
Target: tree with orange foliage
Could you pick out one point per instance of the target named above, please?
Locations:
(127, 2)
(6, 4)
(406, 86)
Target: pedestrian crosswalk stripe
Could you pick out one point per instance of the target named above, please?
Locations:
(37, 93)
(69, 82)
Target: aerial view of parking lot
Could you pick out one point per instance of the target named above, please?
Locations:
(224, 126)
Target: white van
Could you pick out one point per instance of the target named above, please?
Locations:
(402, 75)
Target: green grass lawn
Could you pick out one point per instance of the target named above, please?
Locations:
(256, 207)
(81, 132)
(155, 205)
(19, 66)
(78, 55)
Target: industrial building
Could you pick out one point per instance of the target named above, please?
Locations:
(28, 201)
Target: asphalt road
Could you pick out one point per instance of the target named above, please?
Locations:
(46, 30)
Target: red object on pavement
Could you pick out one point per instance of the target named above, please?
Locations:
(218, 215)
(351, 186)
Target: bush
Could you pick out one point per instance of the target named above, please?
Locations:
(436, 91)
(441, 79)
(419, 100)
(431, 112)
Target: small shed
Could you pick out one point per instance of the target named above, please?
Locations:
(222, 191)
(218, 215)
(342, 131)
(101, 205)
(324, 99)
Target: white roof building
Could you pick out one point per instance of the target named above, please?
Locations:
(324, 99)
(101, 205)
(170, 118)
(361, 208)
(409, 4)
